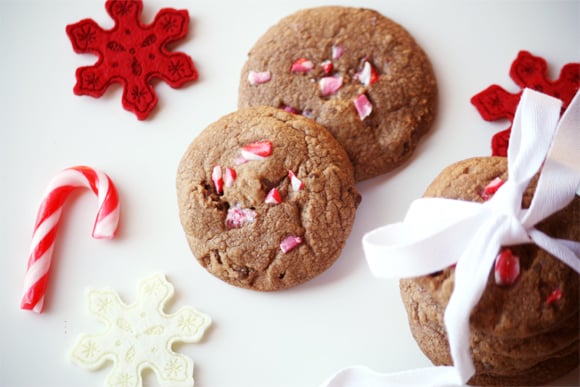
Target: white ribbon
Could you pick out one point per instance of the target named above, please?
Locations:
(437, 232)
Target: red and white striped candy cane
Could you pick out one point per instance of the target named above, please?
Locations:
(47, 221)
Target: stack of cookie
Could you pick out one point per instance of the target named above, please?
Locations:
(328, 96)
(525, 328)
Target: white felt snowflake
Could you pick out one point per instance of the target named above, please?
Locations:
(140, 336)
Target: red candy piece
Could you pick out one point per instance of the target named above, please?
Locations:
(494, 103)
(238, 217)
(289, 243)
(302, 65)
(290, 109)
(217, 178)
(491, 188)
(337, 52)
(229, 177)
(295, 182)
(330, 85)
(556, 295)
(258, 78)
(132, 54)
(257, 150)
(363, 106)
(327, 66)
(507, 268)
(273, 197)
(368, 75)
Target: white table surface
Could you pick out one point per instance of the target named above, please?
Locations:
(296, 337)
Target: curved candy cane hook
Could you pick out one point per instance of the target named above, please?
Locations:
(44, 235)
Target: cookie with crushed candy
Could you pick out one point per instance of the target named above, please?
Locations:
(266, 198)
(353, 70)
(525, 328)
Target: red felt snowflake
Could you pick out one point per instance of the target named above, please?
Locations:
(131, 54)
(495, 103)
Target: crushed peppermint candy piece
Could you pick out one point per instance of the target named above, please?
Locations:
(240, 160)
(491, 188)
(302, 65)
(368, 75)
(289, 109)
(337, 52)
(273, 197)
(556, 295)
(507, 268)
(289, 243)
(257, 150)
(363, 106)
(229, 177)
(238, 217)
(217, 178)
(327, 66)
(330, 85)
(295, 182)
(257, 78)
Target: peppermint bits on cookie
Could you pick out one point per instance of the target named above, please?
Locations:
(363, 106)
(356, 72)
(254, 189)
(491, 188)
(289, 243)
(507, 268)
(295, 182)
(302, 65)
(257, 150)
(217, 178)
(258, 77)
(273, 197)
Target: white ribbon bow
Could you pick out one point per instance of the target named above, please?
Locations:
(438, 232)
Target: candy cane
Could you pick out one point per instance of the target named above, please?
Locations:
(44, 234)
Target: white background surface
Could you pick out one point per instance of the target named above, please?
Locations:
(296, 337)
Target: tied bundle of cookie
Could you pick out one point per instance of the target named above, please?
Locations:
(328, 96)
(489, 260)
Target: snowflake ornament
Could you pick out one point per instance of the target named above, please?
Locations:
(527, 71)
(140, 336)
(132, 54)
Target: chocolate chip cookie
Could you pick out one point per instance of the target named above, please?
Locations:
(266, 198)
(356, 72)
(525, 328)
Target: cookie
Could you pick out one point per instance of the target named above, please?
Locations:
(356, 72)
(266, 198)
(522, 332)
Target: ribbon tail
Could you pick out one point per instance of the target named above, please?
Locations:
(566, 251)
(471, 274)
(358, 376)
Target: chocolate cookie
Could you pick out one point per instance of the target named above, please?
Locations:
(266, 198)
(525, 328)
(356, 72)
